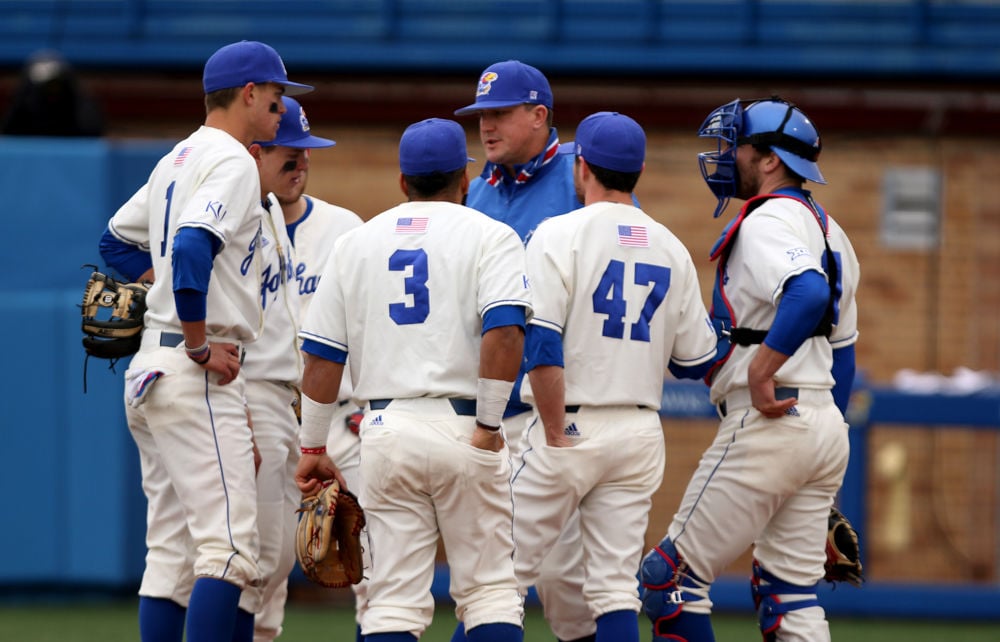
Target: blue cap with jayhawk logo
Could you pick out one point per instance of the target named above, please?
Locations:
(293, 131)
(507, 84)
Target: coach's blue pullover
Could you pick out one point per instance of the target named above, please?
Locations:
(538, 190)
(547, 192)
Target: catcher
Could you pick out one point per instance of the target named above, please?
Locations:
(328, 537)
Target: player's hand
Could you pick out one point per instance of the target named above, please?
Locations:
(313, 470)
(762, 398)
(224, 360)
(558, 440)
(485, 439)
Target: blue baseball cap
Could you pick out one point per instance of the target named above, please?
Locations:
(432, 145)
(611, 140)
(293, 131)
(509, 83)
(248, 61)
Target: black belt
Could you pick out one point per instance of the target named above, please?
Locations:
(576, 408)
(171, 339)
(464, 407)
(779, 394)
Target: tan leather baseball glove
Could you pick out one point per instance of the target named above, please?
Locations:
(328, 537)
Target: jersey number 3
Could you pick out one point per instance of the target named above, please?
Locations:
(609, 298)
(414, 285)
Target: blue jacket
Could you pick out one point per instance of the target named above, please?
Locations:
(539, 190)
(546, 192)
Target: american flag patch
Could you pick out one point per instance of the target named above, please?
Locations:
(411, 225)
(182, 156)
(632, 236)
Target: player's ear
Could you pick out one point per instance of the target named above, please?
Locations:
(255, 150)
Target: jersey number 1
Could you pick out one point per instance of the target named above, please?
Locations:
(609, 298)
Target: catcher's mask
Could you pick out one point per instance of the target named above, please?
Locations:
(772, 123)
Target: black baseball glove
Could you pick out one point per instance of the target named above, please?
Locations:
(112, 316)
(843, 553)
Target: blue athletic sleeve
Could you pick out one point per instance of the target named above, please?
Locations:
(193, 252)
(128, 260)
(800, 310)
(843, 375)
(324, 351)
(690, 372)
(503, 315)
(542, 347)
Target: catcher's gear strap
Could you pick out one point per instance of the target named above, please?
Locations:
(668, 585)
(766, 588)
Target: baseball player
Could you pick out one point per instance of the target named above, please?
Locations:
(313, 225)
(528, 177)
(785, 312)
(617, 300)
(429, 299)
(199, 218)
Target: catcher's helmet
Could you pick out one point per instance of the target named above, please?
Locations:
(773, 123)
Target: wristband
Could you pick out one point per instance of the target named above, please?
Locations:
(201, 354)
(316, 418)
(491, 401)
(202, 357)
(313, 451)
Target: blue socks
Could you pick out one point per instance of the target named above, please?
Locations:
(161, 620)
(459, 634)
(244, 626)
(618, 626)
(211, 615)
(391, 637)
(496, 632)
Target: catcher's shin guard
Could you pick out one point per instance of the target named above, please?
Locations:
(767, 589)
(668, 584)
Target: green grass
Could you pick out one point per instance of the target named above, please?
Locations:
(115, 621)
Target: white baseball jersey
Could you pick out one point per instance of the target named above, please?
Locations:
(275, 355)
(315, 233)
(208, 181)
(400, 289)
(623, 292)
(780, 239)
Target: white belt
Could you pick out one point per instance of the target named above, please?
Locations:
(740, 398)
(168, 338)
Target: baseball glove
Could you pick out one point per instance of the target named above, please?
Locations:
(843, 553)
(112, 316)
(328, 537)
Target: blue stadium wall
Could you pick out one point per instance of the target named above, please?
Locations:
(67, 463)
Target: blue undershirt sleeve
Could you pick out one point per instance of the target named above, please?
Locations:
(800, 310)
(193, 252)
(843, 376)
(128, 260)
(324, 351)
(542, 347)
(503, 315)
(690, 372)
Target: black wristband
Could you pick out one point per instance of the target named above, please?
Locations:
(485, 427)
